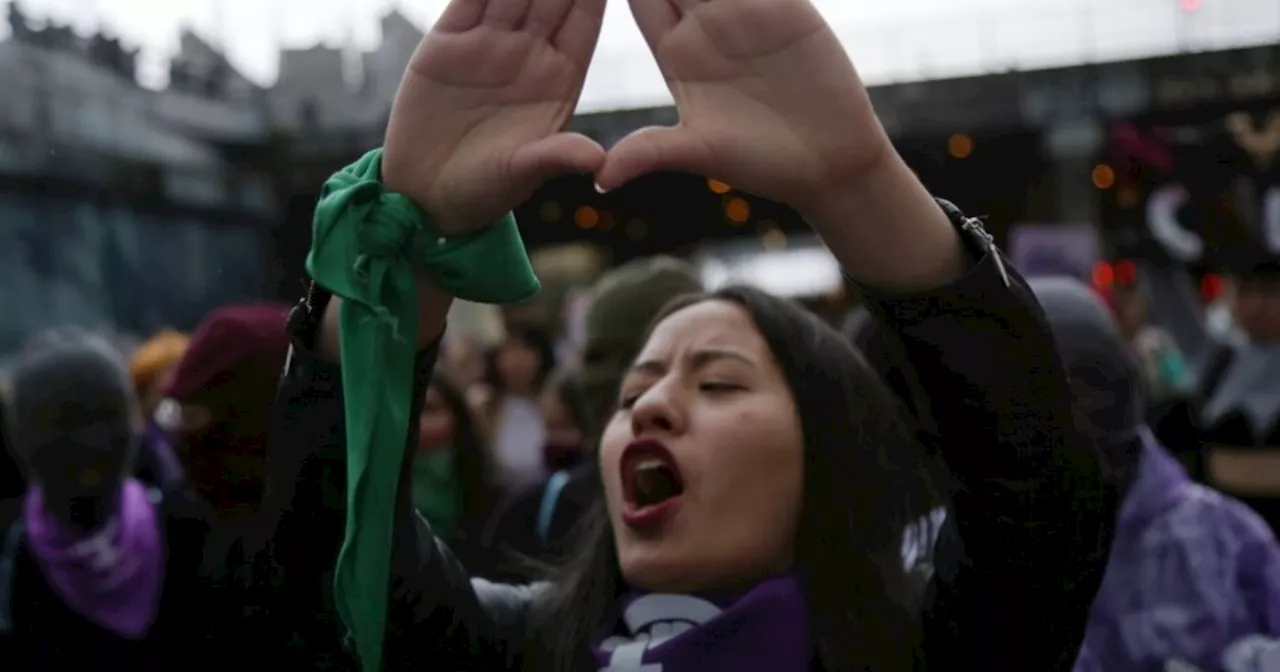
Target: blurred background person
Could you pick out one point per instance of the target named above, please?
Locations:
(520, 528)
(516, 371)
(1235, 414)
(1191, 571)
(1165, 370)
(462, 358)
(220, 397)
(97, 568)
(152, 366)
(1240, 388)
(453, 482)
(566, 415)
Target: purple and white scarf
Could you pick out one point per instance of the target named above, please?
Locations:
(764, 629)
(111, 577)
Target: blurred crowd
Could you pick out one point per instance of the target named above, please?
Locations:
(507, 432)
(505, 468)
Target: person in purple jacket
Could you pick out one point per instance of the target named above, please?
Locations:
(1192, 572)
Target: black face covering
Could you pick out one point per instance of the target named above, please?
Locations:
(72, 421)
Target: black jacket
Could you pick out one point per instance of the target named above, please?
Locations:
(1014, 578)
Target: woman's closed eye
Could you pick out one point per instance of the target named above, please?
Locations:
(719, 387)
(629, 397)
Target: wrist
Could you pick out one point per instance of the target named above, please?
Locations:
(886, 230)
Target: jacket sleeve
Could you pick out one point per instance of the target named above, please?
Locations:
(439, 618)
(1025, 546)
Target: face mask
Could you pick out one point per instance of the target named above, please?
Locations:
(562, 455)
(436, 492)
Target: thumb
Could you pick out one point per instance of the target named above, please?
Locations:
(651, 150)
(555, 156)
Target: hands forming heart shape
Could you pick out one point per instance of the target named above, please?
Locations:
(768, 101)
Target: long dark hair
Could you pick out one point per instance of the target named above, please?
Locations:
(866, 477)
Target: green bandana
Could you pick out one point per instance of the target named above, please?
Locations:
(367, 244)
(437, 494)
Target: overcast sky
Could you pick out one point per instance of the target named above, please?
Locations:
(890, 40)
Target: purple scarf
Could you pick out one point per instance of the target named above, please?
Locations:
(113, 576)
(765, 629)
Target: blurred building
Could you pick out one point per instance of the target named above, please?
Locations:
(323, 89)
(1013, 145)
(123, 207)
(1089, 143)
(132, 208)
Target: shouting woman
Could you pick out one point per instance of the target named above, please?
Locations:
(756, 476)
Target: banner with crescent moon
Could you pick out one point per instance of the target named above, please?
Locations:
(1204, 193)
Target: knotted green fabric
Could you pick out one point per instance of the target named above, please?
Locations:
(367, 244)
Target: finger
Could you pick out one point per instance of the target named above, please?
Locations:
(651, 150)
(546, 16)
(655, 18)
(579, 31)
(506, 14)
(555, 156)
(460, 15)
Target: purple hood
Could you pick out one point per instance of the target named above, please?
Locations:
(1192, 572)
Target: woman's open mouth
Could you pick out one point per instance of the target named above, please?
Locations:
(651, 484)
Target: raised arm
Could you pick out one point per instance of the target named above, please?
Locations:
(770, 103)
(436, 616)
(477, 126)
(1032, 522)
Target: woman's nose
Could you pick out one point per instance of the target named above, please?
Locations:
(657, 410)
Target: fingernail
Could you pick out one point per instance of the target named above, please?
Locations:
(599, 189)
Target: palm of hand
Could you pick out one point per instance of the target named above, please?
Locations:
(768, 99)
(477, 122)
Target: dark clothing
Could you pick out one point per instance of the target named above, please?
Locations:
(518, 528)
(1233, 432)
(38, 632)
(1032, 521)
(230, 601)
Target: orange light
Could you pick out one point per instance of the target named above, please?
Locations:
(718, 187)
(1104, 177)
(738, 211)
(1190, 5)
(1103, 275)
(586, 217)
(960, 146)
(1211, 287)
(1125, 272)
